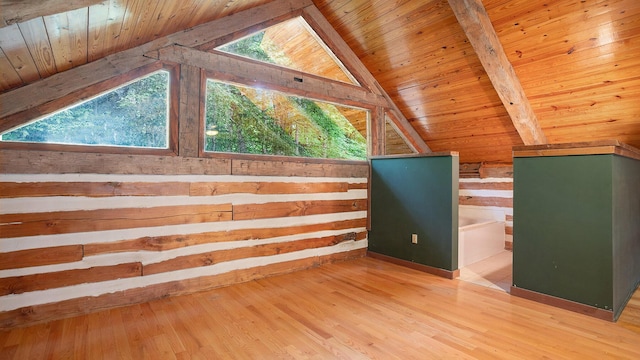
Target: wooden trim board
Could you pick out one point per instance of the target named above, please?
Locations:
(563, 303)
(580, 148)
(429, 154)
(448, 274)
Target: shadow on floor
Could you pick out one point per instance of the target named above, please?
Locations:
(494, 272)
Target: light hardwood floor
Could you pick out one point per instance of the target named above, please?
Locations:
(360, 309)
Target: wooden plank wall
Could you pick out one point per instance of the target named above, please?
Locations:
(491, 188)
(81, 232)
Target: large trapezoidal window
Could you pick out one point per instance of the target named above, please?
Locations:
(292, 44)
(135, 114)
(258, 121)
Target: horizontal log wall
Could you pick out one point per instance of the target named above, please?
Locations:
(73, 243)
(491, 189)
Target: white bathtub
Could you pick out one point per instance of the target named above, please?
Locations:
(480, 235)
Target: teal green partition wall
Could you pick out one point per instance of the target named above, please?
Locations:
(626, 230)
(416, 195)
(577, 228)
(562, 224)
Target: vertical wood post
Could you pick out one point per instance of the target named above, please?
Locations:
(189, 112)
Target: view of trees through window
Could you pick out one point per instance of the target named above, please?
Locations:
(292, 44)
(132, 115)
(258, 121)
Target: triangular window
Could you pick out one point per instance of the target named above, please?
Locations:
(292, 44)
(394, 143)
(135, 115)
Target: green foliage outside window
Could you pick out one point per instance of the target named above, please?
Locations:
(236, 124)
(132, 115)
(254, 121)
(250, 47)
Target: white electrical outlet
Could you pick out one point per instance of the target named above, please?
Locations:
(414, 238)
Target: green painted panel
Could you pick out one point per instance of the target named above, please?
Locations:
(415, 195)
(562, 227)
(626, 230)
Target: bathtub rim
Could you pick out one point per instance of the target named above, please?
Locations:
(479, 223)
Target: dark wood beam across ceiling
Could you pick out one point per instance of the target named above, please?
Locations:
(475, 22)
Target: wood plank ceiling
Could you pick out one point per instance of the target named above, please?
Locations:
(578, 61)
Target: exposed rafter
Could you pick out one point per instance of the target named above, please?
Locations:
(252, 72)
(15, 11)
(476, 24)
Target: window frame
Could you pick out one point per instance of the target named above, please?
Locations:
(210, 75)
(96, 90)
(312, 33)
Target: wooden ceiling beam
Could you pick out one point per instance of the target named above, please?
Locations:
(475, 22)
(240, 70)
(242, 23)
(16, 11)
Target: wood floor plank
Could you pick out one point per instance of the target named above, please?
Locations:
(119, 333)
(94, 337)
(169, 333)
(54, 345)
(357, 309)
(176, 318)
